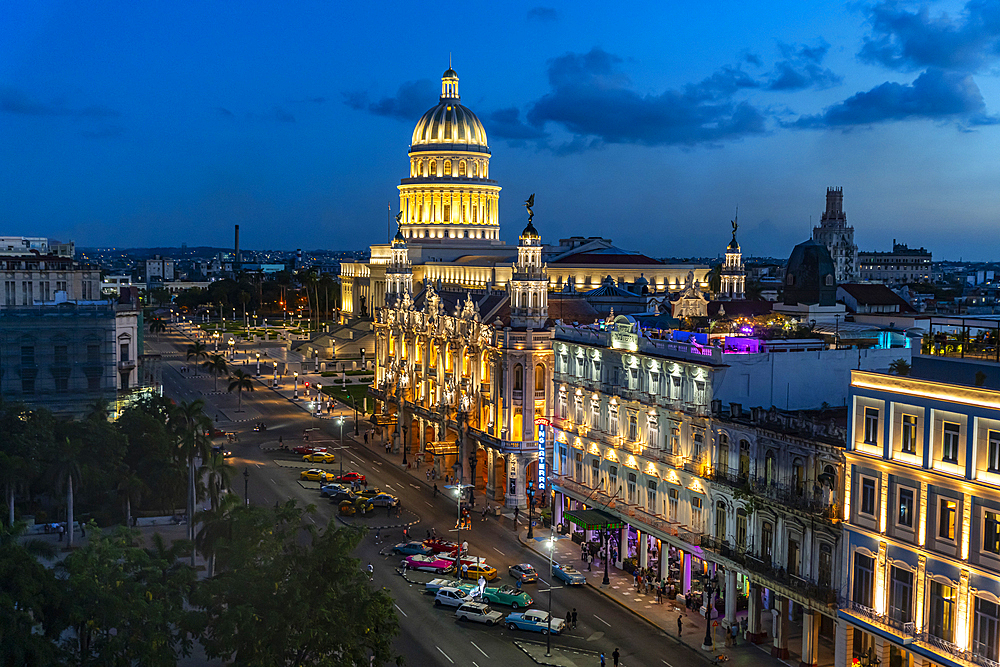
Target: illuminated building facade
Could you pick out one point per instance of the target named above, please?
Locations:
(922, 524)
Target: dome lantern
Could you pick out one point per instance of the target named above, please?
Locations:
(449, 85)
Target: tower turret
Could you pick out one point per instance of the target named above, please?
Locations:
(529, 286)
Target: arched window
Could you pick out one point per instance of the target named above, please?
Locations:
(539, 377)
(770, 468)
(798, 476)
(433, 168)
(723, 452)
(744, 470)
(461, 168)
(828, 280)
(447, 167)
(720, 520)
(518, 377)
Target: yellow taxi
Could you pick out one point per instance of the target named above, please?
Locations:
(319, 457)
(316, 475)
(477, 570)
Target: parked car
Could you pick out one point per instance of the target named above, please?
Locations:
(383, 500)
(315, 475)
(535, 620)
(413, 547)
(332, 488)
(568, 574)
(429, 563)
(477, 570)
(451, 597)
(439, 545)
(351, 477)
(507, 595)
(524, 572)
(338, 497)
(319, 457)
(478, 612)
(307, 449)
(368, 493)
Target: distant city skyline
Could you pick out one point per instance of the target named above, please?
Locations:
(135, 125)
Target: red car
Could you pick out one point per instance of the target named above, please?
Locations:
(440, 546)
(307, 449)
(351, 478)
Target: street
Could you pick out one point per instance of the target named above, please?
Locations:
(428, 635)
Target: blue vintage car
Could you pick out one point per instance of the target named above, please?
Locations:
(534, 620)
(411, 548)
(568, 574)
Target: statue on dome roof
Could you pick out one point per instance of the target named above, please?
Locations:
(528, 205)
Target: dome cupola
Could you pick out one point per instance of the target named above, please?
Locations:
(449, 123)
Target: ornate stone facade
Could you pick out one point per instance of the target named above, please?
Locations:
(838, 237)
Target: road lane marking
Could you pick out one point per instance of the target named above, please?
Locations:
(428, 504)
(415, 486)
(272, 480)
(666, 663)
(400, 610)
(499, 552)
(444, 654)
(479, 649)
(602, 620)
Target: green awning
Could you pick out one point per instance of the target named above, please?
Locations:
(593, 519)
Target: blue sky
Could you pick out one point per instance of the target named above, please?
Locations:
(139, 124)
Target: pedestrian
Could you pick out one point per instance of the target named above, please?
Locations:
(406, 532)
(590, 563)
(435, 490)
(519, 584)
(517, 511)
(484, 513)
(616, 656)
(399, 510)
(743, 626)
(366, 437)
(83, 533)
(572, 615)
(465, 571)
(736, 633)
(376, 536)
(434, 532)
(678, 625)
(602, 660)
(61, 531)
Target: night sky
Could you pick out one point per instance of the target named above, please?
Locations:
(160, 123)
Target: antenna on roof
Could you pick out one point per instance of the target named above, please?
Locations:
(449, 60)
(388, 221)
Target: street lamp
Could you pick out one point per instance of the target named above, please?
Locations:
(295, 390)
(709, 591)
(404, 441)
(232, 344)
(340, 420)
(258, 364)
(607, 556)
(531, 503)
(246, 484)
(319, 400)
(274, 382)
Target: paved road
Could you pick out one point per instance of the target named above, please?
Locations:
(428, 635)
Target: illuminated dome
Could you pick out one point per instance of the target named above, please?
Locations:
(449, 123)
(530, 232)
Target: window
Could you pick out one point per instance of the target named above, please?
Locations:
(447, 167)
(942, 621)
(595, 414)
(901, 595)
(633, 428)
(613, 418)
(991, 533)
(864, 569)
(633, 497)
(579, 468)
(871, 426)
(518, 377)
(653, 426)
(673, 498)
(766, 542)
(905, 516)
(720, 520)
(868, 496)
(539, 378)
(595, 472)
(61, 355)
(986, 631)
(744, 470)
(27, 355)
(612, 479)
(909, 436)
(949, 442)
(825, 565)
(741, 528)
(993, 451)
(946, 519)
(675, 441)
(578, 404)
(123, 350)
(651, 496)
(697, 521)
(699, 442)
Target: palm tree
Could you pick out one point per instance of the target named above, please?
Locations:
(64, 470)
(13, 470)
(130, 488)
(899, 367)
(240, 381)
(197, 351)
(219, 475)
(190, 425)
(157, 326)
(216, 525)
(216, 365)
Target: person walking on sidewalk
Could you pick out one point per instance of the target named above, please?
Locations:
(572, 616)
(616, 656)
(602, 660)
(678, 625)
(435, 490)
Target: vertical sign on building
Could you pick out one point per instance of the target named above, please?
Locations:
(540, 424)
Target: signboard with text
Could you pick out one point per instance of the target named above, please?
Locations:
(541, 457)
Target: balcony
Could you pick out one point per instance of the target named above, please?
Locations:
(539, 394)
(126, 364)
(517, 395)
(730, 476)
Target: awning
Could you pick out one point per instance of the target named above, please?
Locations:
(593, 519)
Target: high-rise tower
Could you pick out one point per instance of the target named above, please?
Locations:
(529, 285)
(399, 270)
(733, 283)
(837, 236)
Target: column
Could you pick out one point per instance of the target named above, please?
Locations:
(843, 644)
(643, 549)
(780, 628)
(731, 595)
(882, 648)
(685, 572)
(662, 566)
(622, 546)
(755, 632)
(810, 639)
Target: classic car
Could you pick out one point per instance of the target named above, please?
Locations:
(534, 620)
(568, 574)
(410, 548)
(507, 595)
(478, 612)
(429, 563)
(439, 545)
(451, 597)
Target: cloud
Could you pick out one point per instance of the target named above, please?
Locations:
(507, 124)
(593, 99)
(802, 68)
(912, 40)
(935, 94)
(544, 14)
(17, 102)
(410, 102)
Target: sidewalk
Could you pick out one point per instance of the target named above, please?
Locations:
(664, 616)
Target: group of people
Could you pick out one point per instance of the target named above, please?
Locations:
(60, 528)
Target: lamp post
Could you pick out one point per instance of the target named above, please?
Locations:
(232, 348)
(246, 485)
(319, 400)
(404, 444)
(709, 591)
(258, 364)
(531, 504)
(552, 547)
(215, 338)
(340, 420)
(354, 404)
(607, 556)
(295, 390)
(274, 381)
(458, 549)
